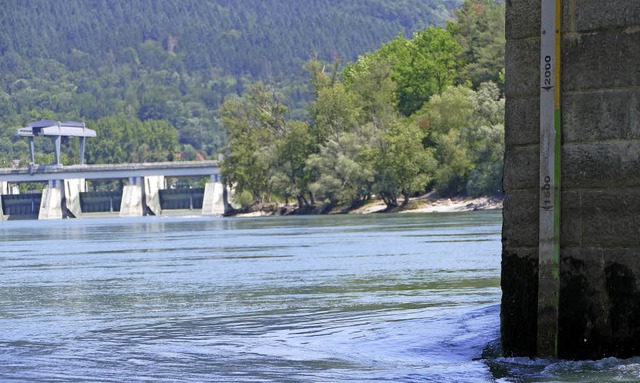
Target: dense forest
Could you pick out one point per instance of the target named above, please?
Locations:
(421, 113)
(135, 70)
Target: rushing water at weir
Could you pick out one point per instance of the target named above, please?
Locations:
(376, 298)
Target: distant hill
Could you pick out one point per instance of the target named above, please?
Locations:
(176, 60)
(239, 36)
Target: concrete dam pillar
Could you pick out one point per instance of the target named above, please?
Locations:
(599, 263)
(152, 187)
(51, 203)
(132, 203)
(213, 202)
(72, 190)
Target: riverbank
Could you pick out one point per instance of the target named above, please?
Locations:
(424, 204)
(435, 205)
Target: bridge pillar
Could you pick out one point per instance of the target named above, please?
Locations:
(152, 187)
(72, 190)
(51, 203)
(599, 314)
(4, 190)
(213, 202)
(7, 188)
(132, 194)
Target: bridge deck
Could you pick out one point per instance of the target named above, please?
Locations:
(40, 173)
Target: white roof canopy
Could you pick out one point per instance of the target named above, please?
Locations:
(55, 128)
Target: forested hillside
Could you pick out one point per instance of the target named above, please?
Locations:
(164, 67)
(419, 114)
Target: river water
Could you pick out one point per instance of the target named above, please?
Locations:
(375, 298)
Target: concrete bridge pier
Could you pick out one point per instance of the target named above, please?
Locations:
(599, 267)
(132, 198)
(213, 202)
(4, 190)
(142, 196)
(152, 187)
(51, 203)
(72, 190)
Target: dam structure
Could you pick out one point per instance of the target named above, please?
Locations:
(585, 304)
(65, 195)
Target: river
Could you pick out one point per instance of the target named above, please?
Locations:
(371, 298)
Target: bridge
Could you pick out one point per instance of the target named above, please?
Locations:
(39, 173)
(146, 192)
(66, 195)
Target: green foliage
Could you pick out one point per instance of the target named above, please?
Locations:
(178, 61)
(486, 177)
(126, 140)
(335, 112)
(255, 123)
(466, 129)
(244, 199)
(424, 110)
(342, 174)
(290, 178)
(479, 29)
(392, 124)
(403, 166)
(421, 66)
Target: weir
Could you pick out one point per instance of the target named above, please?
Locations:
(145, 193)
(598, 268)
(66, 195)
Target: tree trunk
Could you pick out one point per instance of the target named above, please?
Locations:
(406, 199)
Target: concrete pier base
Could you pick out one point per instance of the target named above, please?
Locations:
(72, 190)
(131, 205)
(51, 203)
(4, 189)
(152, 187)
(213, 202)
(7, 188)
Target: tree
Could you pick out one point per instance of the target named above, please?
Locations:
(488, 118)
(122, 140)
(342, 174)
(422, 66)
(290, 177)
(371, 80)
(466, 130)
(254, 122)
(444, 118)
(479, 29)
(403, 165)
(334, 110)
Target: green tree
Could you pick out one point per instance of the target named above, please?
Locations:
(254, 123)
(290, 177)
(123, 140)
(466, 130)
(488, 139)
(403, 165)
(444, 118)
(371, 80)
(342, 174)
(479, 29)
(422, 66)
(334, 109)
